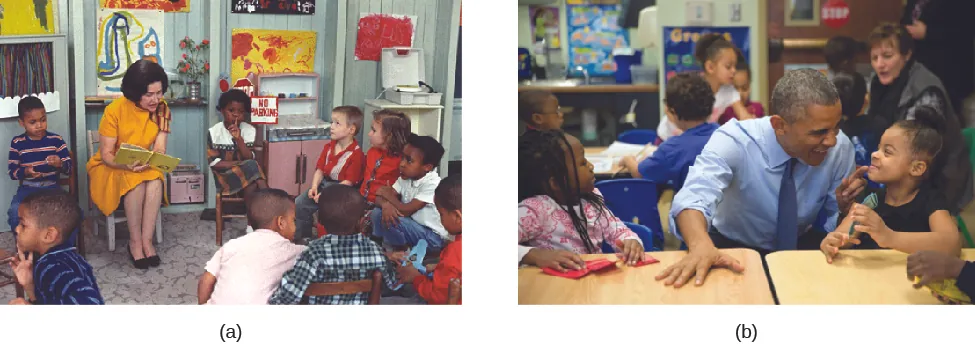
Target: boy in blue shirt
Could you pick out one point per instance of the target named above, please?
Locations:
(51, 270)
(37, 157)
(689, 102)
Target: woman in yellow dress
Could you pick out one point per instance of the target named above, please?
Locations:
(140, 118)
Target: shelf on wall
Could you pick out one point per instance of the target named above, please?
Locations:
(103, 101)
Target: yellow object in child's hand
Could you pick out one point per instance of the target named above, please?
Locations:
(947, 291)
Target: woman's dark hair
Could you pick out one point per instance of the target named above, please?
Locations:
(139, 76)
(397, 128)
(840, 50)
(709, 46)
(924, 132)
(852, 89)
(892, 32)
(690, 96)
(238, 96)
(542, 158)
(530, 103)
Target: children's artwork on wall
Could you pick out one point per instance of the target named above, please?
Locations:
(51, 101)
(594, 32)
(380, 30)
(272, 6)
(126, 36)
(679, 43)
(271, 51)
(21, 17)
(163, 5)
(544, 22)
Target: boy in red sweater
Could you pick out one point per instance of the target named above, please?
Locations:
(434, 290)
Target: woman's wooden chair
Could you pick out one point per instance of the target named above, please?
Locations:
(119, 214)
(237, 198)
(453, 292)
(373, 286)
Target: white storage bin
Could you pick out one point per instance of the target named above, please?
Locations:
(404, 66)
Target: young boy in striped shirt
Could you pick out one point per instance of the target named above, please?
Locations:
(50, 270)
(37, 157)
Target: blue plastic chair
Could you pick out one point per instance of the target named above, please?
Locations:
(649, 238)
(638, 136)
(634, 200)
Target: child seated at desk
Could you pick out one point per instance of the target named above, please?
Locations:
(560, 212)
(743, 81)
(47, 266)
(689, 101)
(539, 110)
(910, 215)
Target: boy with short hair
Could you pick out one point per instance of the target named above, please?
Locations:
(344, 254)
(37, 157)
(51, 270)
(434, 290)
(689, 101)
(406, 210)
(341, 161)
(247, 270)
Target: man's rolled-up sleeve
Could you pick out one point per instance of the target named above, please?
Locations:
(711, 173)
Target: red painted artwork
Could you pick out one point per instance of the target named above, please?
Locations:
(378, 31)
(163, 5)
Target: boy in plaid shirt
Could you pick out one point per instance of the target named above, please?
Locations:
(342, 255)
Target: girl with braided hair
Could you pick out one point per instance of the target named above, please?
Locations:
(561, 214)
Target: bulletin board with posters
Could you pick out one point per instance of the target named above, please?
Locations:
(594, 31)
(679, 43)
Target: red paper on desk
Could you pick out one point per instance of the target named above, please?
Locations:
(647, 260)
(591, 266)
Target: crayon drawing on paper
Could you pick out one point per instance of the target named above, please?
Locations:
(126, 36)
(377, 31)
(163, 5)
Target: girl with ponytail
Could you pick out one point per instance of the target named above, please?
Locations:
(910, 215)
(560, 213)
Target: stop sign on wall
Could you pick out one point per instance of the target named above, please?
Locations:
(835, 13)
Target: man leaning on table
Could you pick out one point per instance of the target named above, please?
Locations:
(731, 197)
(934, 267)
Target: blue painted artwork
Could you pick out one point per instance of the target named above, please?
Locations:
(594, 32)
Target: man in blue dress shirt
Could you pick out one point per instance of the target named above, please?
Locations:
(732, 198)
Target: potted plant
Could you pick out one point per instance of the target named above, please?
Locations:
(194, 66)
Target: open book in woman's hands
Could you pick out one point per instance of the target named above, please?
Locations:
(128, 154)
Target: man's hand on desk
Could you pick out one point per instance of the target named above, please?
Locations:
(698, 262)
(933, 267)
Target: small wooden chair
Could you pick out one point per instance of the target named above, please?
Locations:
(237, 198)
(373, 286)
(453, 292)
(119, 214)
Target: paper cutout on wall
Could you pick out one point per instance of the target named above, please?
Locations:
(8, 105)
(271, 51)
(163, 5)
(272, 6)
(379, 30)
(21, 17)
(126, 36)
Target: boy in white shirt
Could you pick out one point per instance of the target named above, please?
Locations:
(247, 270)
(406, 210)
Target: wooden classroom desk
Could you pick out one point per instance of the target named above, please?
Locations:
(636, 285)
(855, 277)
(606, 174)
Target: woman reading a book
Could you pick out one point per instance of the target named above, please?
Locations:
(141, 118)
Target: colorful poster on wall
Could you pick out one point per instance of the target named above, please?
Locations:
(380, 30)
(679, 43)
(544, 22)
(271, 51)
(20, 17)
(594, 32)
(126, 36)
(272, 6)
(162, 5)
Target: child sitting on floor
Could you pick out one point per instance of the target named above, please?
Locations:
(539, 110)
(689, 101)
(560, 212)
(342, 255)
(434, 290)
(341, 161)
(230, 148)
(407, 212)
(37, 158)
(246, 270)
(388, 137)
(910, 215)
(50, 270)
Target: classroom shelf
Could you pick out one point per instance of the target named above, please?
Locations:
(100, 102)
